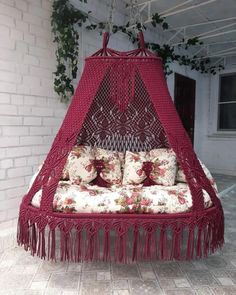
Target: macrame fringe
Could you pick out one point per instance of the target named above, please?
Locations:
(88, 240)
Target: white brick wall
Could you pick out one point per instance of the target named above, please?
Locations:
(30, 113)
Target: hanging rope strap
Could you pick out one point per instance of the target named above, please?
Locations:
(105, 43)
(110, 16)
(143, 50)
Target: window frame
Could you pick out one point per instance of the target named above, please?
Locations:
(223, 103)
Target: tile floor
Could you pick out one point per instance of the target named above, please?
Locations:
(21, 274)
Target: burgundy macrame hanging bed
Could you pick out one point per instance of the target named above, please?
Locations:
(121, 104)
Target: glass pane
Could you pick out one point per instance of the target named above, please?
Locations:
(228, 88)
(227, 119)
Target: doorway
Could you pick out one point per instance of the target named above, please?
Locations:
(184, 98)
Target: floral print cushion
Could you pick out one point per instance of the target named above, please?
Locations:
(71, 198)
(133, 173)
(164, 166)
(79, 167)
(112, 161)
(180, 177)
(163, 170)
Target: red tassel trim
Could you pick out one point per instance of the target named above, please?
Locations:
(152, 238)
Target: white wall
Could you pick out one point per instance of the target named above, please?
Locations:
(30, 113)
(218, 148)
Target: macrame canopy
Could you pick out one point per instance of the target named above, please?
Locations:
(121, 103)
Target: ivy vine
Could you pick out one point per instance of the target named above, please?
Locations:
(66, 19)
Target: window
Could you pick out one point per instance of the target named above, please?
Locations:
(227, 103)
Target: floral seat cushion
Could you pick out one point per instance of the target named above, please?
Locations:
(71, 198)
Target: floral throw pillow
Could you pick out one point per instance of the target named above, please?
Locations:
(164, 166)
(133, 173)
(112, 162)
(79, 166)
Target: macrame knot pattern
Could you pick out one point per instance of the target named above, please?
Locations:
(147, 168)
(100, 166)
(122, 83)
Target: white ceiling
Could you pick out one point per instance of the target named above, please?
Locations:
(219, 37)
(220, 41)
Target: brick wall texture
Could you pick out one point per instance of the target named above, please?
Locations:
(30, 112)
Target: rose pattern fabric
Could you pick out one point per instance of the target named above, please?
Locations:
(71, 198)
(79, 167)
(76, 195)
(180, 177)
(133, 173)
(112, 160)
(164, 167)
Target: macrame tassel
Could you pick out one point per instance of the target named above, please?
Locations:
(19, 232)
(99, 166)
(220, 236)
(176, 243)
(26, 235)
(190, 244)
(219, 228)
(106, 245)
(23, 233)
(41, 251)
(149, 182)
(121, 246)
(149, 243)
(66, 245)
(199, 242)
(92, 251)
(136, 246)
(147, 168)
(78, 246)
(214, 235)
(52, 244)
(206, 237)
(163, 243)
(33, 239)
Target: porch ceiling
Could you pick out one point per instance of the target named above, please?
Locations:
(213, 20)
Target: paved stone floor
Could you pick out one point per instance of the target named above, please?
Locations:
(21, 274)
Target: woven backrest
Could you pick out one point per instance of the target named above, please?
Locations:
(117, 124)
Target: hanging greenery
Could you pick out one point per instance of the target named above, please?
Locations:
(66, 19)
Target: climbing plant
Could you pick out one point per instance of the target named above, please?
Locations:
(66, 19)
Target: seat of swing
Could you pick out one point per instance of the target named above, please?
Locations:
(74, 197)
